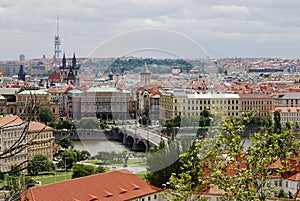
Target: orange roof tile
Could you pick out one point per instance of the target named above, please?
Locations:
(110, 186)
(10, 120)
(35, 126)
(295, 177)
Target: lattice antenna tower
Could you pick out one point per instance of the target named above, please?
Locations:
(57, 42)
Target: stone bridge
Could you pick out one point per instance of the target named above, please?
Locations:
(138, 139)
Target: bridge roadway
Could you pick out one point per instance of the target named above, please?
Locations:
(144, 133)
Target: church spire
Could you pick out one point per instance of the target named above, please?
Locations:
(64, 62)
(74, 61)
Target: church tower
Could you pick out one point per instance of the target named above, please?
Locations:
(69, 74)
(145, 76)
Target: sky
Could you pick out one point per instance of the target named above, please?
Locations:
(215, 28)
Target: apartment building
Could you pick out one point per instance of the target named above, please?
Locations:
(40, 140)
(36, 138)
(12, 128)
(29, 102)
(101, 102)
(290, 99)
(178, 102)
(60, 96)
(261, 104)
(287, 114)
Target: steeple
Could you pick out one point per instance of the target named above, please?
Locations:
(64, 62)
(74, 61)
(146, 70)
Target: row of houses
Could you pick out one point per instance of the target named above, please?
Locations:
(178, 102)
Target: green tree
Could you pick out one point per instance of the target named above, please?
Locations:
(80, 170)
(205, 118)
(82, 155)
(67, 124)
(223, 162)
(100, 169)
(145, 120)
(162, 161)
(277, 122)
(69, 158)
(66, 143)
(40, 163)
(282, 194)
(46, 116)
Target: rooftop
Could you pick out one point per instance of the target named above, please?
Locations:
(109, 186)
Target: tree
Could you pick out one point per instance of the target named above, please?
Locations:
(100, 169)
(46, 116)
(40, 163)
(81, 170)
(205, 118)
(82, 155)
(282, 194)
(67, 124)
(162, 161)
(66, 143)
(69, 158)
(277, 123)
(223, 162)
(145, 120)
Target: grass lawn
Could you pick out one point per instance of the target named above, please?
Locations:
(52, 179)
(141, 174)
(132, 161)
(94, 162)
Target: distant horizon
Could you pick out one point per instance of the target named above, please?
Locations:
(137, 57)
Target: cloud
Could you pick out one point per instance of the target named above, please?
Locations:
(85, 23)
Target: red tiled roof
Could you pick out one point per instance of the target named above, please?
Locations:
(110, 186)
(54, 76)
(276, 165)
(35, 126)
(295, 177)
(10, 120)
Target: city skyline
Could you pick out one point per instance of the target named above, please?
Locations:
(223, 29)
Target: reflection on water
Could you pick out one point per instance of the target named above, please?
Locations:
(95, 146)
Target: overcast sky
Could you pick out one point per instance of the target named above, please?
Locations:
(231, 28)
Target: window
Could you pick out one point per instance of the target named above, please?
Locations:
(275, 183)
(155, 196)
(286, 184)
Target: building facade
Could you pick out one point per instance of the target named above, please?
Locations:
(105, 103)
(177, 102)
(29, 103)
(290, 99)
(260, 104)
(40, 140)
(12, 129)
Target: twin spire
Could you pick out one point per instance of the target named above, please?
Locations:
(64, 61)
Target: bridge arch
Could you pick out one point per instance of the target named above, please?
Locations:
(129, 140)
(141, 145)
(121, 136)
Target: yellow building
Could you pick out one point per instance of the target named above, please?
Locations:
(177, 102)
(40, 140)
(12, 129)
(261, 104)
(29, 102)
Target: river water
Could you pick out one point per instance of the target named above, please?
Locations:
(95, 146)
